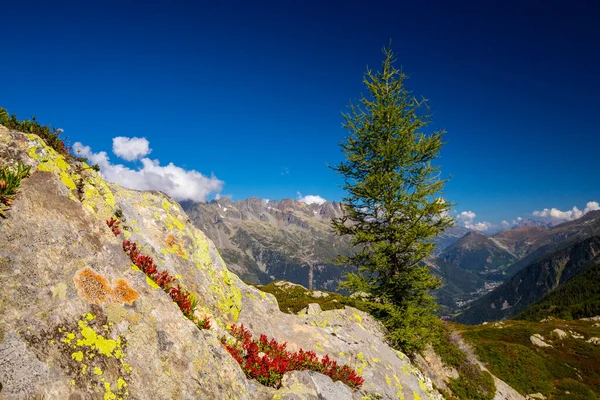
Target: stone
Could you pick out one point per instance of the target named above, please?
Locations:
(537, 396)
(538, 340)
(576, 335)
(309, 385)
(594, 340)
(559, 333)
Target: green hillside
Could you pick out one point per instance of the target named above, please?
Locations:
(578, 298)
(567, 369)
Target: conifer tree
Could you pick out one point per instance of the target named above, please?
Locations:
(393, 203)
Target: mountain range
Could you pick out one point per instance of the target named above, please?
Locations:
(265, 240)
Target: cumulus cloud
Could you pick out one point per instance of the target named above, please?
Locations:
(480, 226)
(131, 149)
(311, 199)
(467, 219)
(177, 182)
(591, 206)
(556, 216)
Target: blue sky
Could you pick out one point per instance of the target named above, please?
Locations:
(252, 91)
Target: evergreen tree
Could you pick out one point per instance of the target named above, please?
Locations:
(393, 204)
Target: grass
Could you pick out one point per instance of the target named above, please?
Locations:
(572, 365)
(293, 298)
(472, 382)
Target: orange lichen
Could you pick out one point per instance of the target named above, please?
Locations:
(123, 293)
(92, 286)
(95, 288)
(172, 242)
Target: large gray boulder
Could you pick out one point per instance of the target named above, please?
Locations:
(78, 322)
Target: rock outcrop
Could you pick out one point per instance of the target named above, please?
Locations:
(77, 321)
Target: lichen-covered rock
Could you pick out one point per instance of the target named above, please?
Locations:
(78, 320)
(309, 385)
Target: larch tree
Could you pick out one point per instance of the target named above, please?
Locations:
(394, 203)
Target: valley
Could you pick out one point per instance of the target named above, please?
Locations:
(485, 278)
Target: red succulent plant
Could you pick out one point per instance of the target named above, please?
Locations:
(267, 360)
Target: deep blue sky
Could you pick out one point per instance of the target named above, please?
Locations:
(247, 90)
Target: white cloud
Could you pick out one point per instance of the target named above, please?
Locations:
(556, 216)
(131, 149)
(467, 219)
(591, 206)
(480, 226)
(177, 182)
(311, 199)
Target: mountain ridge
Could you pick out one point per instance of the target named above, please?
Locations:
(533, 282)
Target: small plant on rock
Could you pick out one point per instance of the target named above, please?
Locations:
(267, 360)
(204, 323)
(10, 181)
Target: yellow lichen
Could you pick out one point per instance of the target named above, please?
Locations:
(152, 283)
(108, 395)
(77, 356)
(95, 341)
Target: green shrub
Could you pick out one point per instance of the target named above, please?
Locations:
(570, 389)
(10, 181)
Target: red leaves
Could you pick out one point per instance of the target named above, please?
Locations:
(164, 280)
(267, 361)
(204, 323)
(184, 299)
(113, 224)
